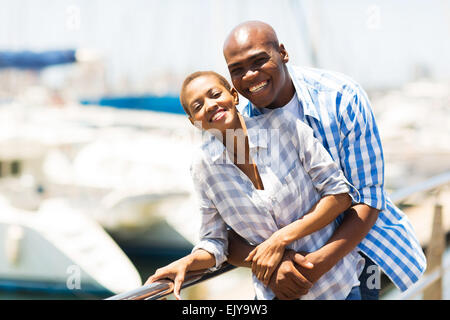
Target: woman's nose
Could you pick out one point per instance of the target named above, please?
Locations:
(210, 104)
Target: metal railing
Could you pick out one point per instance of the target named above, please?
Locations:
(162, 288)
(431, 184)
(431, 281)
(424, 283)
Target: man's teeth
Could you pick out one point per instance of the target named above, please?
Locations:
(258, 87)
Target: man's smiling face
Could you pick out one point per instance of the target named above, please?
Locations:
(256, 63)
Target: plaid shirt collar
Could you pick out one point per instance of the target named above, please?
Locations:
(258, 137)
(303, 94)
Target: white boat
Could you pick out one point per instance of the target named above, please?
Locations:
(56, 248)
(97, 150)
(126, 169)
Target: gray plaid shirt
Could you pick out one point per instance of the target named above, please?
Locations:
(296, 172)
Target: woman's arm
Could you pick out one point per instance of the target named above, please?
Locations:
(329, 182)
(266, 256)
(322, 214)
(212, 249)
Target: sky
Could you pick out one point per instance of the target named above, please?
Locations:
(153, 44)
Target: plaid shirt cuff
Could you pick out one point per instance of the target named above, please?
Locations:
(214, 247)
(374, 197)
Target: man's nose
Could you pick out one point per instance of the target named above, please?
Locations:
(250, 74)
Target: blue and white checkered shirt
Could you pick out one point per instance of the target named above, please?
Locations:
(339, 112)
(296, 171)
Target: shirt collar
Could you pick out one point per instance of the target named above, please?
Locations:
(212, 147)
(257, 132)
(303, 93)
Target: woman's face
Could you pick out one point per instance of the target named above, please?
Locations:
(211, 105)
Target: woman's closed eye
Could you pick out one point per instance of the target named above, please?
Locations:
(196, 107)
(216, 94)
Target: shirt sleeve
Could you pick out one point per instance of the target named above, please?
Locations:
(213, 230)
(361, 153)
(325, 174)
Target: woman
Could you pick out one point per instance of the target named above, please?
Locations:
(269, 180)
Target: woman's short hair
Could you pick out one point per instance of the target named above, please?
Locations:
(195, 75)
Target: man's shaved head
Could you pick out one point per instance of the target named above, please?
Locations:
(257, 64)
(240, 36)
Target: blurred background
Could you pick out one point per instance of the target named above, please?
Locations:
(95, 149)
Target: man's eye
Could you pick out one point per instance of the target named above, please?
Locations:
(236, 72)
(216, 94)
(260, 61)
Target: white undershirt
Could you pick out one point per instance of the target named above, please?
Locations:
(293, 106)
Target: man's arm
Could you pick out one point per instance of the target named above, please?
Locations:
(357, 222)
(291, 280)
(295, 282)
(268, 254)
(358, 128)
(238, 250)
(361, 159)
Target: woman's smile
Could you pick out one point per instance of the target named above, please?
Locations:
(219, 114)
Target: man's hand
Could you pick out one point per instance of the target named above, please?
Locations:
(287, 283)
(295, 276)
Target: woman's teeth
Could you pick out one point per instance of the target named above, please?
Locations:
(218, 115)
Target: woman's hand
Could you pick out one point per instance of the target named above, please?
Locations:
(175, 271)
(266, 257)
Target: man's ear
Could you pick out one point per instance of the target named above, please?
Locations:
(235, 96)
(284, 54)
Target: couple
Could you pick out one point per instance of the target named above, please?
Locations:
(297, 175)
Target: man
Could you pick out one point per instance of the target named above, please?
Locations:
(339, 112)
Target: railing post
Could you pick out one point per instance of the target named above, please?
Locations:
(436, 247)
